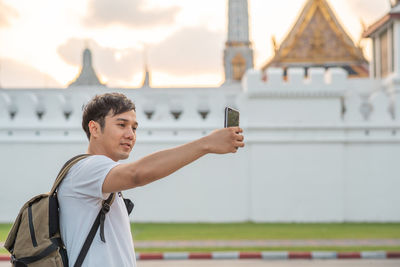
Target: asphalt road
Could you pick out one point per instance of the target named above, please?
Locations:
(256, 263)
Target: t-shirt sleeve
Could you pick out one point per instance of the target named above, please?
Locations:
(89, 175)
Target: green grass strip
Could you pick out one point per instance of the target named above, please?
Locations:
(259, 231)
(255, 231)
(4, 229)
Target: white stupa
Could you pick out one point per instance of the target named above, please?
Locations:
(87, 75)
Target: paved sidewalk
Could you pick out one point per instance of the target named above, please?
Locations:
(262, 263)
(265, 255)
(269, 243)
(275, 263)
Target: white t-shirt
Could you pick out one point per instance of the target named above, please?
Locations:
(80, 197)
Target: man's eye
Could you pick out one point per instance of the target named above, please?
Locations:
(121, 124)
(134, 129)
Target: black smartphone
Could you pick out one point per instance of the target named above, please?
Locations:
(231, 117)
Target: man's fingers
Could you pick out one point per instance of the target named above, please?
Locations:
(236, 138)
(237, 129)
(239, 139)
(239, 144)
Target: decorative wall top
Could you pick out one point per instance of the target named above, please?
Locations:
(359, 106)
(320, 83)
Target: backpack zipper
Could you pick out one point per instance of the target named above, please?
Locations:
(31, 228)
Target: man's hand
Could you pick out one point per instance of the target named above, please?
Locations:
(226, 140)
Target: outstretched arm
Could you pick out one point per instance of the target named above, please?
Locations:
(160, 164)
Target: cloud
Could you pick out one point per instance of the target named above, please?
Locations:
(189, 51)
(17, 74)
(114, 64)
(131, 13)
(369, 12)
(6, 14)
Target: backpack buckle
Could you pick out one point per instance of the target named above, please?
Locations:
(106, 207)
(13, 259)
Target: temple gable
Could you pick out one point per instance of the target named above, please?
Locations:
(318, 39)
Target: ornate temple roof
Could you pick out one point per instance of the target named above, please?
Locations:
(317, 39)
(87, 76)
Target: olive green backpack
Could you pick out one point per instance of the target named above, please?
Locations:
(34, 239)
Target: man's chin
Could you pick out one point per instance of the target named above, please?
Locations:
(123, 156)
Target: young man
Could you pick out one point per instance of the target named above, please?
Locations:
(109, 121)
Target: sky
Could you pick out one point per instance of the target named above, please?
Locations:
(182, 41)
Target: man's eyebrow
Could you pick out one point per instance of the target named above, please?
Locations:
(125, 120)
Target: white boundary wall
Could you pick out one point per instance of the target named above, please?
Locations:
(305, 160)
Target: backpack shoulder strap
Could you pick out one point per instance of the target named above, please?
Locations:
(99, 221)
(64, 170)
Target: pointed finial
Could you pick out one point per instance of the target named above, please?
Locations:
(146, 79)
(363, 25)
(87, 57)
(274, 43)
(87, 54)
(364, 29)
(145, 56)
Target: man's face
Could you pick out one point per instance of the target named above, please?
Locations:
(119, 135)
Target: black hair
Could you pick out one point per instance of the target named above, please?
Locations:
(101, 105)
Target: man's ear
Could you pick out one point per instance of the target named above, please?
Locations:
(94, 128)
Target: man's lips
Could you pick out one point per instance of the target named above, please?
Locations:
(127, 145)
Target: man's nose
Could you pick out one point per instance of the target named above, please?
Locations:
(130, 133)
